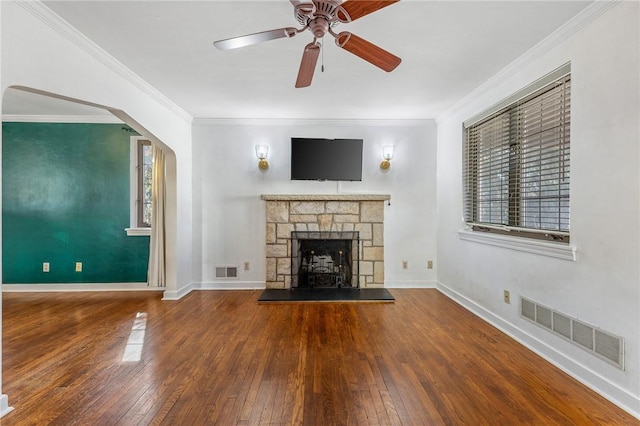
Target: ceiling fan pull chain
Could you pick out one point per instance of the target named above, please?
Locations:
(322, 63)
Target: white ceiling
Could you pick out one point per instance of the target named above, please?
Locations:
(448, 48)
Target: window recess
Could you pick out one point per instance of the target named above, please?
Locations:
(144, 182)
(140, 191)
(516, 170)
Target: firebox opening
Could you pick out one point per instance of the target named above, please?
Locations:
(324, 259)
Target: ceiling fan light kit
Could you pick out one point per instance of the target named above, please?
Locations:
(320, 17)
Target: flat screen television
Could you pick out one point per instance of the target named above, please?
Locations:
(326, 159)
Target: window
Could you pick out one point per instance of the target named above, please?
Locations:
(144, 179)
(141, 176)
(516, 163)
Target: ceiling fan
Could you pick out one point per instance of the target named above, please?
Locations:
(320, 17)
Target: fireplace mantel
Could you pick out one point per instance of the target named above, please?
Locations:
(287, 213)
(325, 197)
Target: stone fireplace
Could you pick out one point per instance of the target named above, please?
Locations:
(344, 232)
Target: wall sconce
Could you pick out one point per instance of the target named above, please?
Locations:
(387, 155)
(261, 152)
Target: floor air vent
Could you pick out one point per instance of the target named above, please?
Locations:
(226, 272)
(604, 345)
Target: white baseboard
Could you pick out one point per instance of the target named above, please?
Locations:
(180, 293)
(216, 285)
(410, 284)
(70, 287)
(593, 380)
(261, 285)
(4, 405)
(233, 285)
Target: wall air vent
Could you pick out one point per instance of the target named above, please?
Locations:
(600, 343)
(226, 272)
(562, 325)
(543, 316)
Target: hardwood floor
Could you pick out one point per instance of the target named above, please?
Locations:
(219, 357)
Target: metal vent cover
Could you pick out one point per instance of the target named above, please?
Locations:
(583, 334)
(543, 316)
(562, 324)
(226, 272)
(607, 346)
(604, 345)
(528, 310)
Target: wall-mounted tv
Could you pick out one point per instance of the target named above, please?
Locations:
(326, 159)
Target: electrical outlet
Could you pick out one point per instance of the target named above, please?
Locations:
(507, 297)
(45, 267)
(78, 266)
(405, 264)
(429, 264)
(247, 266)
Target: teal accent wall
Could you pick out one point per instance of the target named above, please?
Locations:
(65, 199)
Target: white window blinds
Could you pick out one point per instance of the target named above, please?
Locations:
(516, 164)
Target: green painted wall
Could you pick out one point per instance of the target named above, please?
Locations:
(65, 199)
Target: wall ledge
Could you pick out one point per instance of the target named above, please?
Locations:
(138, 232)
(528, 245)
(325, 197)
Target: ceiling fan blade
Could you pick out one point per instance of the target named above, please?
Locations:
(368, 51)
(308, 65)
(359, 8)
(249, 39)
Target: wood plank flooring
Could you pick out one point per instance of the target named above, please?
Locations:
(219, 357)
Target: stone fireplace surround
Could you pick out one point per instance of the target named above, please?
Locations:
(363, 213)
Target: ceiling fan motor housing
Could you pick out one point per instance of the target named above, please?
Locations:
(319, 27)
(319, 15)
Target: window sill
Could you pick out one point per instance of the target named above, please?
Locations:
(544, 248)
(138, 232)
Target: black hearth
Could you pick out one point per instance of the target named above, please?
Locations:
(324, 259)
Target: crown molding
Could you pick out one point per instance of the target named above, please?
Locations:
(96, 119)
(304, 122)
(571, 27)
(62, 27)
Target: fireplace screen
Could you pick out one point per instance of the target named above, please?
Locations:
(324, 259)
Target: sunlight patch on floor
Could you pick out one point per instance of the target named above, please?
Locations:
(135, 343)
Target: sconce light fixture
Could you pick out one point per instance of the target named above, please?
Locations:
(387, 155)
(261, 152)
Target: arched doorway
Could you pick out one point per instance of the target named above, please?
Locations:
(26, 105)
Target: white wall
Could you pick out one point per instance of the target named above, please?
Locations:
(4, 400)
(41, 53)
(44, 54)
(229, 214)
(602, 287)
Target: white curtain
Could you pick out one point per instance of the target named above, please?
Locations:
(157, 251)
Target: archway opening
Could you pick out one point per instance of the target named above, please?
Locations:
(64, 201)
